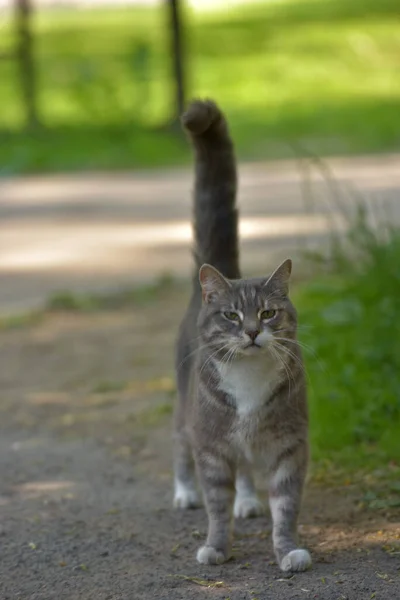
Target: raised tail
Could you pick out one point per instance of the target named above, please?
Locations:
(215, 213)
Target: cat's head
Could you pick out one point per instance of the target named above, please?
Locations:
(246, 316)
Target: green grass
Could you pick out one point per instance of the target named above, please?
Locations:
(354, 368)
(323, 72)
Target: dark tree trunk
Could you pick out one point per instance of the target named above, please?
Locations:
(23, 14)
(177, 56)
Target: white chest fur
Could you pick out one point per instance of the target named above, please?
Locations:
(249, 381)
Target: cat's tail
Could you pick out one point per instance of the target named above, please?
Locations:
(215, 213)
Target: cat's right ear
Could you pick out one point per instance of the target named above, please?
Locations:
(213, 284)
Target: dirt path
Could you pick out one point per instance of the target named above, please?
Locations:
(96, 231)
(85, 481)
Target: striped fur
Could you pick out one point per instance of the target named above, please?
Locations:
(240, 376)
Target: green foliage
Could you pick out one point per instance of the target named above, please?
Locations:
(321, 71)
(355, 336)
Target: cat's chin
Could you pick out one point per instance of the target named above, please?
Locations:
(252, 350)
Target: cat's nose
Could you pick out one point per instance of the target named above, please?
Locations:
(253, 333)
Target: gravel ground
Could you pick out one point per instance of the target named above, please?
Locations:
(85, 481)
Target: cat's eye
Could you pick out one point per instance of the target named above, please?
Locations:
(232, 316)
(266, 315)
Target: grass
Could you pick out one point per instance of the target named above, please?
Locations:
(322, 72)
(354, 368)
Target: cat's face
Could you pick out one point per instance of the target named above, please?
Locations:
(246, 317)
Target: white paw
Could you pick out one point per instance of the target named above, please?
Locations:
(296, 560)
(207, 555)
(247, 507)
(186, 497)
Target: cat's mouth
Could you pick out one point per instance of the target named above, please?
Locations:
(252, 346)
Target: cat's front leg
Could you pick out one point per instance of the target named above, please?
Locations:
(285, 492)
(217, 477)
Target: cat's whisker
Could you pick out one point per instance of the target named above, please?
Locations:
(233, 355)
(295, 358)
(303, 328)
(228, 353)
(290, 353)
(297, 343)
(197, 349)
(287, 330)
(291, 374)
(300, 364)
(209, 358)
(277, 355)
(305, 347)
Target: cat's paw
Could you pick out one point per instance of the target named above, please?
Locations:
(186, 497)
(207, 555)
(296, 560)
(247, 507)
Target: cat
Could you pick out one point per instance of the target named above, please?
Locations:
(240, 377)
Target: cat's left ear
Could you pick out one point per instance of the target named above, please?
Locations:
(213, 283)
(280, 277)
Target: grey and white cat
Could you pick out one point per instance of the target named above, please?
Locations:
(242, 393)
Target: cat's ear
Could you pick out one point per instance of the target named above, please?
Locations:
(213, 284)
(280, 277)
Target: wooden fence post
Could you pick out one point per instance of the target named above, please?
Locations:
(177, 55)
(25, 57)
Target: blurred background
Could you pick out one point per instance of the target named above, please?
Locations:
(94, 90)
(96, 85)
(95, 188)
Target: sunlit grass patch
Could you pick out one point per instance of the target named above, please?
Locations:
(321, 71)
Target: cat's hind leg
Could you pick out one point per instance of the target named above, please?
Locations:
(247, 504)
(185, 491)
